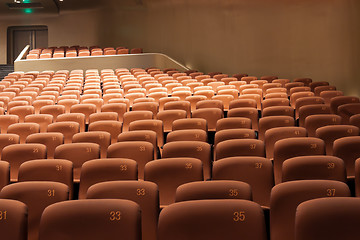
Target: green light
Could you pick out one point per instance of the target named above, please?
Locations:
(28, 10)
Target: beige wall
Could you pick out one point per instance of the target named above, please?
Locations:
(289, 38)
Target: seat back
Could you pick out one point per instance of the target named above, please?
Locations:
(313, 167)
(56, 170)
(144, 193)
(347, 148)
(112, 217)
(139, 151)
(332, 132)
(219, 189)
(256, 171)
(294, 147)
(285, 198)
(191, 149)
(15, 213)
(240, 147)
(193, 220)
(169, 173)
(103, 139)
(37, 196)
(274, 134)
(16, 154)
(317, 219)
(50, 139)
(77, 153)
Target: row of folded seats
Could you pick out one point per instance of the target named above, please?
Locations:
(294, 158)
(119, 134)
(78, 51)
(303, 209)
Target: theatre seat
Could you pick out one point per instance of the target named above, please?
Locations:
(313, 85)
(54, 110)
(239, 147)
(327, 218)
(275, 102)
(73, 117)
(233, 123)
(140, 151)
(4, 174)
(274, 134)
(101, 116)
(16, 154)
(247, 112)
(187, 135)
(6, 121)
(347, 148)
(306, 81)
(86, 109)
(335, 102)
(348, 110)
(169, 173)
(285, 198)
(294, 147)
(119, 108)
(219, 189)
(328, 95)
(169, 116)
(192, 149)
(278, 111)
(237, 133)
(23, 130)
(67, 128)
(190, 123)
(37, 196)
(144, 193)
(103, 139)
(56, 170)
(313, 167)
(76, 220)
(299, 92)
(16, 215)
(8, 139)
(332, 132)
(104, 170)
(141, 135)
(110, 126)
(211, 115)
(181, 105)
(150, 124)
(50, 139)
(77, 153)
(192, 220)
(266, 123)
(22, 112)
(256, 171)
(355, 120)
(303, 101)
(42, 119)
(312, 109)
(313, 122)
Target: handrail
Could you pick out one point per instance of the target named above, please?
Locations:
(142, 60)
(23, 53)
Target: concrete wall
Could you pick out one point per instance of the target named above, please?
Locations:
(289, 38)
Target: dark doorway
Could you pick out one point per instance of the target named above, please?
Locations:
(20, 36)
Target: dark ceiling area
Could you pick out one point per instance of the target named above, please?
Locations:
(16, 7)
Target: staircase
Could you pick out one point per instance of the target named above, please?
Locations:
(5, 70)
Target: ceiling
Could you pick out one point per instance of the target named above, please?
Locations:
(50, 6)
